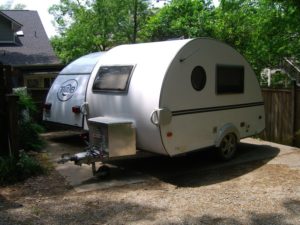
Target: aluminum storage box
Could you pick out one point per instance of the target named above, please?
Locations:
(115, 136)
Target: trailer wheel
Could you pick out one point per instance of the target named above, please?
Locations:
(228, 146)
(102, 172)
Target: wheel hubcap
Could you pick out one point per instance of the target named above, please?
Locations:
(228, 144)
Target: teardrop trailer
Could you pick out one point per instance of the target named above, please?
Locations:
(67, 95)
(170, 98)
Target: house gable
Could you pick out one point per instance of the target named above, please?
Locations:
(8, 28)
(32, 47)
(29, 56)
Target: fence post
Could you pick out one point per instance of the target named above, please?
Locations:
(294, 101)
(3, 127)
(13, 127)
(3, 120)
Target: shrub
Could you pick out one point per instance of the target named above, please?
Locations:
(29, 129)
(29, 136)
(14, 169)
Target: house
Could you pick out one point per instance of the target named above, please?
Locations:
(286, 72)
(26, 56)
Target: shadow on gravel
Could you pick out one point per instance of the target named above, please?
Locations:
(293, 206)
(254, 218)
(85, 212)
(7, 204)
(202, 168)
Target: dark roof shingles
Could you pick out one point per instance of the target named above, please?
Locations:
(31, 49)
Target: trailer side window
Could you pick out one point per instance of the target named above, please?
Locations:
(198, 78)
(113, 78)
(230, 79)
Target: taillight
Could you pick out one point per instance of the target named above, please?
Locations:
(76, 109)
(47, 106)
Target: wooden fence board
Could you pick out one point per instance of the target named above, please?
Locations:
(297, 118)
(282, 109)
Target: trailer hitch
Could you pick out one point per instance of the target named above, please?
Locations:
(91, 155)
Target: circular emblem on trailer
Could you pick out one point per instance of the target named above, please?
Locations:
(67, 89)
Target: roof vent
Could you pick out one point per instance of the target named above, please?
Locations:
(20, 33)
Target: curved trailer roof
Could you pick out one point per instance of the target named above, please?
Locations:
(82, 65)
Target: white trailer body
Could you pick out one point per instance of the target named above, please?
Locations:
(180, 95)
(66, 97)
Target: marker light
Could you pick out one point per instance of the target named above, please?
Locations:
(76, 109)
(169, 134)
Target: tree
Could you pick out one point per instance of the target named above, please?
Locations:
(184, 19)
(264, 31)
(74, 23)
(9, 5)
(96, 26)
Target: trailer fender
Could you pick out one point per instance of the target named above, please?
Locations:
(224, 130)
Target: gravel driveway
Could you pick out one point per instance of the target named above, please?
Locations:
(260, 186)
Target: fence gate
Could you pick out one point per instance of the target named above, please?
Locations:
(282, 107)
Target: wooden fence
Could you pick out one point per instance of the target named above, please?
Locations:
(282, 107)
(9, 136)
(3, 119)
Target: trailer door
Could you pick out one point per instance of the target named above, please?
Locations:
(65, 102)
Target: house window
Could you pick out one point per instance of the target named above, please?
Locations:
(33, 83)
(113, 78)
(230, 79)
(7, 33)
(39, 81)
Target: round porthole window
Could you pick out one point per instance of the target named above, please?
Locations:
(198, 78)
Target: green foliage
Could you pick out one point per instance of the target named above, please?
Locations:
(29, 130)
(183, 19)
(25, 101)
(9, 5)
(280, 80)
(29, 136)
(264, 31)
(89, 26)
(17, 169)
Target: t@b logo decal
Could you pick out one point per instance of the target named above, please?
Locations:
(67, 89)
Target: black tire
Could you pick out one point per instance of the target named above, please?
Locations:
(227, 148)
(103, 172)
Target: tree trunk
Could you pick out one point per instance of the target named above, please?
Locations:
(135, 22)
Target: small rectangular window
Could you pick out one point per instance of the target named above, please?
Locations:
(33, 83)
(230, 79)
(113, 78)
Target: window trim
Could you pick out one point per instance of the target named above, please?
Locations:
(218, 66)
(115, 91)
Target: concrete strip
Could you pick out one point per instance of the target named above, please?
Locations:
(288, 155)
(82, 179)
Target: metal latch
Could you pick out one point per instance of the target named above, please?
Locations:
(161, 116)
(84, 108)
